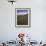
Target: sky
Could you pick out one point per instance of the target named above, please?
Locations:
(22, 12)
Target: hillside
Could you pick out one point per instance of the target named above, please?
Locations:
(22, 19)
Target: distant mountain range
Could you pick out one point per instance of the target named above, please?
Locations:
(22, 13)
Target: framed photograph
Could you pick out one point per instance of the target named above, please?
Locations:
(22, 17)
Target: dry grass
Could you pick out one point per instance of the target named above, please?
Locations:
(22, 19)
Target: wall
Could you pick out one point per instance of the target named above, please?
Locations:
(8, 31)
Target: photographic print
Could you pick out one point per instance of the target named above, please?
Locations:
(22, 17)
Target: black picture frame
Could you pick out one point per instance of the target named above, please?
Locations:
(22, 17)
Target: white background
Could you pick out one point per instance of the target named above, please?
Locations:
(8, 31)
